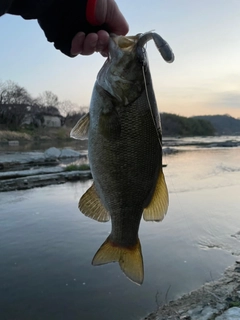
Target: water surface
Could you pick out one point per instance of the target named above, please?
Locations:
(46, 244)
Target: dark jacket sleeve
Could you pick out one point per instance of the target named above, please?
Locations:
(4, 6)
(60, 20)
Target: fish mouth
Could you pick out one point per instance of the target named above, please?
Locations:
(129, 43)
(112, 77)
(125, 43)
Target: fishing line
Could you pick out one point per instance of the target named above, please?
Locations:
(153, 118)
(149, 105)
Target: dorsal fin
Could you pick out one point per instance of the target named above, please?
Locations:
(91, 206)
(158, 206)
(80, 130)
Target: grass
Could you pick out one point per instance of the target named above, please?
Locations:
(7, 135)
(75, 167)
(29, 133)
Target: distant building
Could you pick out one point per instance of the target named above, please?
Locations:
(52, 121)
(51, 117)
(37, 115)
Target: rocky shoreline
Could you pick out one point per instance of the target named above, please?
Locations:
(42, 180)
(26, 170)
(218, 300)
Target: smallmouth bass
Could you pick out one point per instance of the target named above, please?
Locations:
(124, 135)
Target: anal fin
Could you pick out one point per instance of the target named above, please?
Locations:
(129, 258)
(91, 206)
(158, 205)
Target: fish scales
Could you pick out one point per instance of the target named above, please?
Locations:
(125, 153)
(134, 158)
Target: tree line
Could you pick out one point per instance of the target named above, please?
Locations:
(173, 125)
(16, 102)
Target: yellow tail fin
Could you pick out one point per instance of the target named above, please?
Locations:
(129, 259)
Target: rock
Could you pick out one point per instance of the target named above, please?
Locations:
(31, 172)
(237, 269)
(203, 313)
(208, 302)
(43, 180)
(21, 160)
(69, 153)
(52, 153)
(236, 235)
(230, 314)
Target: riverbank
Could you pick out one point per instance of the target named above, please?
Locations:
(37, 134)
(26, 170)
(219, 300)
(42, 179)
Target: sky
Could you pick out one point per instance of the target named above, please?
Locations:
(204, 36)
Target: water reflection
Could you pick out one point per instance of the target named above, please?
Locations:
(46, 244)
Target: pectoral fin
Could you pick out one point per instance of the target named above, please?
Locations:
(158, 206)
(129, 259)
(80, 130)
(91, 206)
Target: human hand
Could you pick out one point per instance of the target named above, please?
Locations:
(107, 13)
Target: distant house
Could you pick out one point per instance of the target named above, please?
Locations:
(52, 121)
(37, 115)
(51, 117)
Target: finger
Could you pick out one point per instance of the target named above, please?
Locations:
(115, 20)
(77, 43)
(108, 12)
(102, 43)
(90, 44)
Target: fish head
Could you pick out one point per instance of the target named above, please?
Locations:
(122, 75)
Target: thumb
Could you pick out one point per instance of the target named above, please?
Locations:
(108, 13)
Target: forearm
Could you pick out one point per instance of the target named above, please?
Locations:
(74, 26)
(28, 9)
(60, 20)
(63, 20)
(4, 6)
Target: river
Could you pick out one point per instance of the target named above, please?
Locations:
(46, 244)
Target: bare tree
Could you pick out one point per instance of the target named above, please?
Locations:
(47, 99)
(66, 107)
(13, 115)
(17, 107)
(12, 93)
